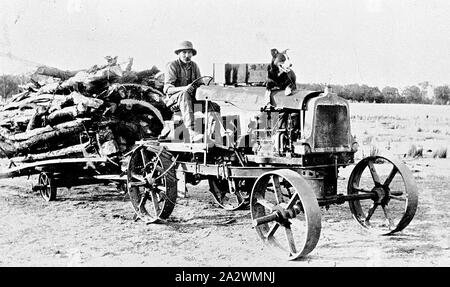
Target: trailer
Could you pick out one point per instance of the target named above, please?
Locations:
(67, 172)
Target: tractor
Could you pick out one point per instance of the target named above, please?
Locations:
(280, 157)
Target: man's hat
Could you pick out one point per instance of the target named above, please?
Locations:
(186, 45)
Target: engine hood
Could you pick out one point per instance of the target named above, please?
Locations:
(254, 96)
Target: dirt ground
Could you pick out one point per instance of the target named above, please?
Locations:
(94, 226)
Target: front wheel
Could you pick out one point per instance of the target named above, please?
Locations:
(285, 212)
(395, 194)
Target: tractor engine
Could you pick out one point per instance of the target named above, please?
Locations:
(318, 131)
(275, 132)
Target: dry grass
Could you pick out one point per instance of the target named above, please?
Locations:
(374, 150)
(415, 151)
(440, 152)
(398, 127)
(368, 140)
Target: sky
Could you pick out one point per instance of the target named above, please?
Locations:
(375, 42)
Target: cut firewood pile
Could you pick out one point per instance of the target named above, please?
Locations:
(102, 111)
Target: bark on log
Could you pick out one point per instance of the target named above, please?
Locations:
(71, 151)
(55, 72)
(19, 97)
(6, 149)
(78, 98)
(65, 114)
(129, 65)
(147, 73)
(35, 120)
(27, 135)
(7, 117)
(4, 133)
(35, 99)
(58, 132)
(50, 88)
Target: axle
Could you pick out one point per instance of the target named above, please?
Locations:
(341, 198)
(282, 215)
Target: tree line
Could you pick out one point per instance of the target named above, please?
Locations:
(9, 85)
(440, 95)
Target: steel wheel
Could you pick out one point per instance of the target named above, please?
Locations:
(284, 204)
(46, 188)
(235, 200)
(395, 194)
(151, 183)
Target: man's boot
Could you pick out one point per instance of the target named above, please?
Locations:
(165, 131)
(214, 126)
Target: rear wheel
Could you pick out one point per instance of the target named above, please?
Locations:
(46, 186)
(151, 183)
(235, 199)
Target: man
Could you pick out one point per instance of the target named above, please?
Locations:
(178, 86)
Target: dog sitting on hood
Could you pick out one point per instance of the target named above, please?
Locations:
(279, 73)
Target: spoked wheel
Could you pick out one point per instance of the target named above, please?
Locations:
(46, 187)
(235, 200)
(285, 212)
(395, 194)
(151, 183)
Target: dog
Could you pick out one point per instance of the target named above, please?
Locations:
(279, 73)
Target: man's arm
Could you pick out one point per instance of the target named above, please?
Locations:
(198, 75)
(172, 90)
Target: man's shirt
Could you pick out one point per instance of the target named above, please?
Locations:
(179, 74)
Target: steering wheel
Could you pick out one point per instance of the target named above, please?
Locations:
(197, 83)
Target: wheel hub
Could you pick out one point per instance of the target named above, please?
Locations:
(284, 214)
(382, 194)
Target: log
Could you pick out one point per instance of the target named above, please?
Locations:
(46, 134)
(35, 99)
(29, 87)
(19, 97)
(117, 92)
(150, 77)
(78, 99)
(36, 120)
(120, 106)
(17, 137)
(108, 148)
(8, 117)
(6, 149)
(19, 123)
(28, 134)
(147, 73)
(55, 72)
(4, 133)
(65, 114)
(71, 151)
(49, 88)
(129, 65)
